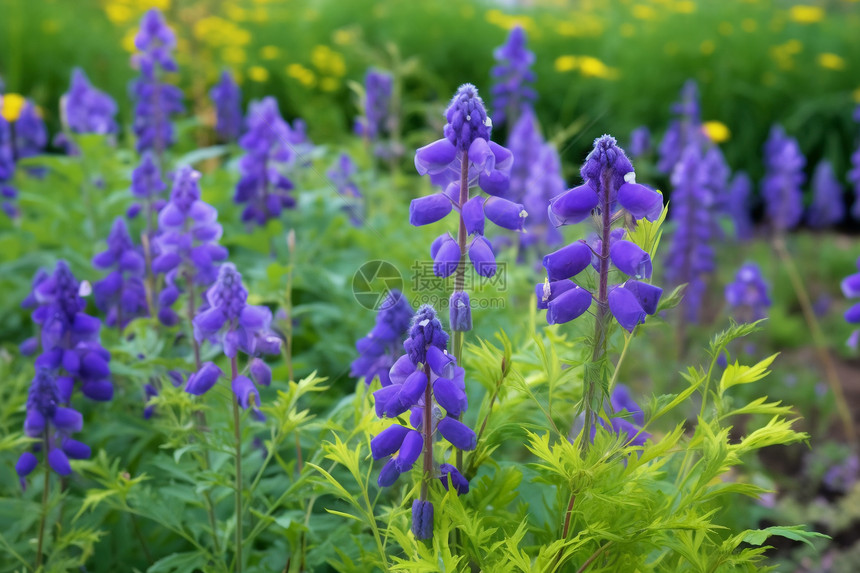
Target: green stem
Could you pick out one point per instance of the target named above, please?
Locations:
(818, 338)
(45, 490)
(237, 434)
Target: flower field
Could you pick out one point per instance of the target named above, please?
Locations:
(306, 285)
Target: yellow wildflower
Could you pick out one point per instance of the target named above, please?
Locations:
(707, 47)
(831, 61)
(258, 74)
(329, 84)
(11, 106)
(565, 63)
(749, 25)
(270, 52)
(128, 40)
(716, 131)
(345, 36)
(508, 22)
(234, 55)
(685, 7)
(328, 61)
(118, 14)
(644, 12)
(804, 14)
(305, 76)
(593, 68)
(50, 26)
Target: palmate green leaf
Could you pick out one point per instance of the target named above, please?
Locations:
(735, 374)
(646, 235)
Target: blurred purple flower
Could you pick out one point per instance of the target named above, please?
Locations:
(121, 294)
(378, 350)
(512, 78)
(748, 295)
(227, 97)
(783, 177)
(827, 207)
(684, 129)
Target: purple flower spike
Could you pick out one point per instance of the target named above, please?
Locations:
(121, 294)
(784, 176)
(341, 175)
(827, 208)
(86, 109)
(467, 118)
(854, 174)
(227, 97)
(640, 142)
(748, 295)
(268, 153)
(47, 420)
(31, 137)
(377, 350)
(738, 205)
(684, 130)
(512, 78)
(155, 101)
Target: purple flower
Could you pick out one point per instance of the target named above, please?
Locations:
(375, 125)
(640, 142)
(738, 205)
(155, 101)
(422, 519)
(70, 337)
(227, 97)
(86, 109)
(783, 177)
(629, 424)
(378, 350)
(684, 129)
(341, 175)
(426, 370)
(31, 137)
(525, 143)
(49, 420)
(460, 311)
(545, 183)
(827, 208)
(610, 184)
(7, 167)
(488, 166)
(512, 78)
(853, 174)
(263, 187)
(691, 256)
(851, 289)
(187, 244)
(122, 293)
(748, 295)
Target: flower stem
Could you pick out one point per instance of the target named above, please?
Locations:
(45, 490)
(460, 277)
(237, 434)
(428, 436)
(818, 338)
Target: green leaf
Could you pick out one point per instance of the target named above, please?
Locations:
(793, 532)
(735, 374)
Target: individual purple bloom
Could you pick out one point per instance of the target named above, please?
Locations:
(851, 289)
(227, 97)
(621, 400)
(7, 167)
(427, 381)
(610, 185)
(460, 483)
(827, 208)
(187, 243)
(263, 187)
(70, 337)
(422, 519)
(738, 205)
(512, 78)
(684, 129)
(748, 295)
(86, 109)
(841, 477)
(640, 142)
(121, 294)
(31, 137)
(782, 181)
(691, 257)
(341, 176)
(487, 165)
(49, 420)
(155, 100)
(378, 350)
(460, 311)
(375, 125)
(629, 423)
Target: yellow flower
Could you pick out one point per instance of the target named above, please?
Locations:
(593, 68)
(707, 47)
(856, 95)
(345, 36)
(50, 26)
(565, 63)
(128, 40)
(716, 131)
(804, 14)
(644, 12)
(234, 55)
(118, 14)
(11, 106)
(270, 52)
(328, 61)
(831, 61)
(305, 76)
(508, 22)
(258, 74)
(685, 7)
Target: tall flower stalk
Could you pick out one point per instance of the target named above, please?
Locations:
(609, 193)
(512, 78)
(422, 381)
(854, 173)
